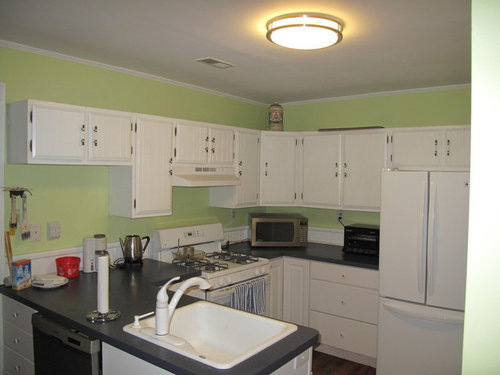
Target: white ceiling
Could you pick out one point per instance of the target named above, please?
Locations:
(388, 45)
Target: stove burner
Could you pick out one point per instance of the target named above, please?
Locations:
(232, 257)
(202, 265)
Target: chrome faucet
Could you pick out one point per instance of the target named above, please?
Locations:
(165, 310)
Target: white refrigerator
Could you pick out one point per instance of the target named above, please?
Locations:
(422, 271)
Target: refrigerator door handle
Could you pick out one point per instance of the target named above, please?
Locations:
(430, 239)
(449, 317)
(421, 234)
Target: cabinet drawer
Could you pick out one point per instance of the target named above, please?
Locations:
(345, 334)
(356, 276)
(17, 364)
(18, 314)
(344, 300)
(18, 340)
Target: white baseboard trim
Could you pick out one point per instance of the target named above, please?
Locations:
(328, 236)
(45, 262)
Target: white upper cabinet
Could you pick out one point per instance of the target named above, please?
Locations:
(246, 165)
(200, 143)
(146, 188)
(46, 133)
(110, 136)
(322, 170)
(363, 158)
(433, 148)
(279, 166)
(53, 133)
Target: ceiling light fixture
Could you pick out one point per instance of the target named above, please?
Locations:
(304, 31)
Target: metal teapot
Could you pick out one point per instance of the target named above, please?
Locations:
(132, 248)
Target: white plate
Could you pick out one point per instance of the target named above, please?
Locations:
(48, 281)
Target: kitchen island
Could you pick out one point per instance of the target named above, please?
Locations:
(132, 291)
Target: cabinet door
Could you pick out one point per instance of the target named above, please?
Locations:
(321, 173)
(364, 157)
(248, 168)
(58, 134)
(457, 148)
(153, 165)
(276, 289)
(191, 143)
(110, 137)
(416, 148)
(277, 169)
(296, 291)
(221, 146)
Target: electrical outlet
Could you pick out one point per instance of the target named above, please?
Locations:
(53, 230)
(339, 217)
(35, 232)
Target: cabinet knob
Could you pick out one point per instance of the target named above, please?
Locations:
(17, 368)
(206, 139)
(342, 302)
(213, 150)
(213, 140)
(95, 142)
(265, 173)
(206, 149)
(170, 172)
(15, 315)
(82, 142)
(342, 276)
(83, 128)
(240, 163)
(240, 173)
(95, 129)
(342, 334)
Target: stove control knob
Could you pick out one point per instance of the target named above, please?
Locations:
(256, 272)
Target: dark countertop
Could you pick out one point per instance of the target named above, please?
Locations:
(313, 251)
(132, 291)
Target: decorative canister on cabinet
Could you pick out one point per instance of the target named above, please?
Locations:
(275, 117)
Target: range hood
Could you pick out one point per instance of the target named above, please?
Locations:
(204, 176)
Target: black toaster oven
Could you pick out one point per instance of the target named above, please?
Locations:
(361, 239)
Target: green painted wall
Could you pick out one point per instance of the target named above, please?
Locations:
(450, 107)
(77, 196)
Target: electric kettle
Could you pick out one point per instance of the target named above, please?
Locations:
(132, 248)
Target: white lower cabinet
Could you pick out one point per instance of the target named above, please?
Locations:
(116, 361)
(296, 291)
(276, 290)
(344, 309)
(18, 355)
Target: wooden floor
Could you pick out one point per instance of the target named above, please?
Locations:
(324, 364)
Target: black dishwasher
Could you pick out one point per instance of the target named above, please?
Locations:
(61, 350)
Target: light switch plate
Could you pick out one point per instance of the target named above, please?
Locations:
(53, 230)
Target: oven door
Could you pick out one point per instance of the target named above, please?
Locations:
(226, 295)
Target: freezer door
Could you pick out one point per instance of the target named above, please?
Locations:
(403, 235)
(447, 239)
(416, 339)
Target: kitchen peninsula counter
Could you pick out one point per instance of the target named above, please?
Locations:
(313, 251)
(132, 291)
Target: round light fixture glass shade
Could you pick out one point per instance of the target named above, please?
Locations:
(304, 31)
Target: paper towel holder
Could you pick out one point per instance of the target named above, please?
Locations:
(95, 316)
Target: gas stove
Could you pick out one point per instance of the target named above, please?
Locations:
(222, 268)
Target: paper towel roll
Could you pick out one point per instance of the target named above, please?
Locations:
(89, 255)
(103, 283)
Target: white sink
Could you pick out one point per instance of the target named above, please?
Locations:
(216, 335)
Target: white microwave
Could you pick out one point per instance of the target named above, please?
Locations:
(278, 230)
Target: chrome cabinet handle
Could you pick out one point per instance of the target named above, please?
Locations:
(95, 142)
